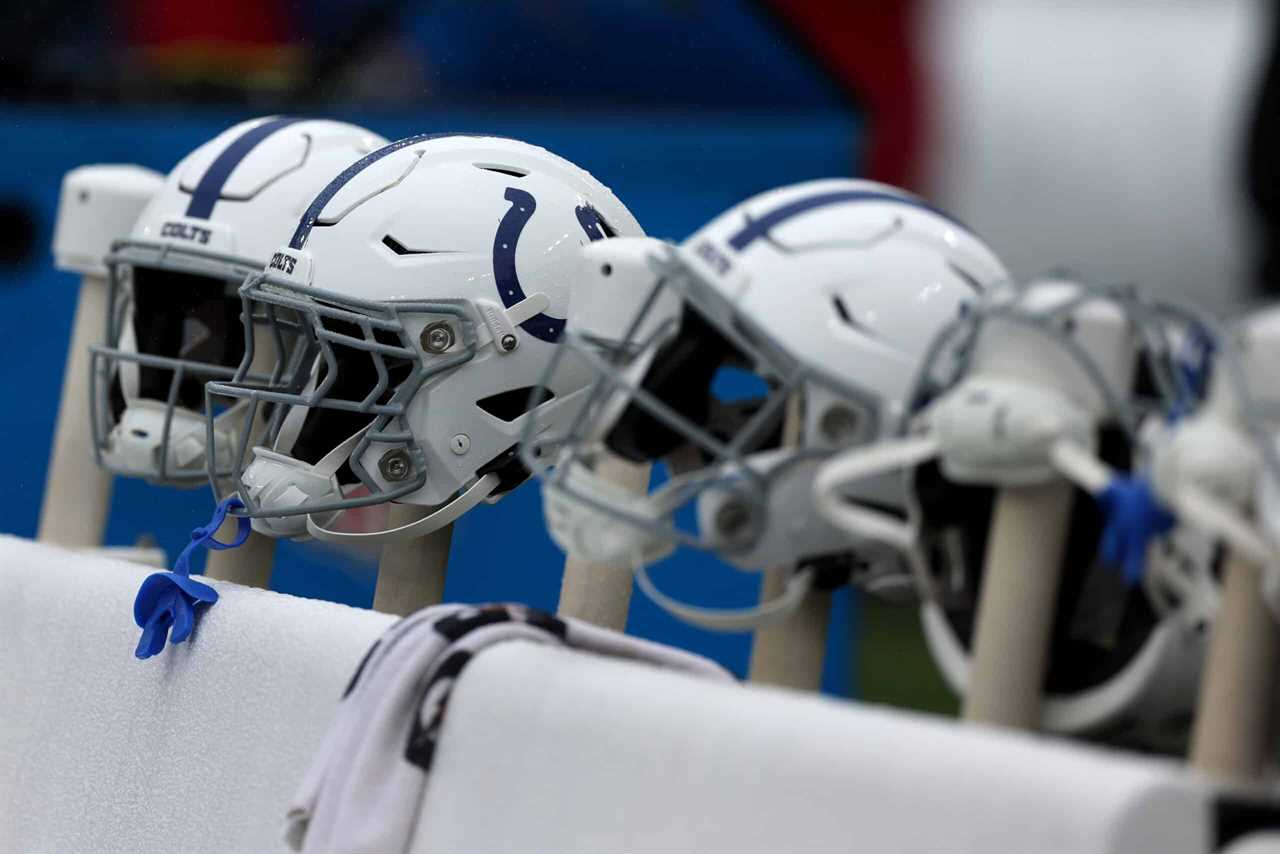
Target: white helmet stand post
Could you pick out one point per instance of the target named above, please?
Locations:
(251, 563)
(1232, 727)
(1015, 612)
(1212, 474)
(600, 593)
(1025, 547)
(789, 653)
(98, 205)
(411, 574)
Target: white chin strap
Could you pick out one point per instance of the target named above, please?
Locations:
(291, 424)
(1201, 508)
(1080, 466)
(858, 520)
(731, 619)
(447, 514)
(277, 481)
(1065, 456)
(1210, 484)
(130, 375)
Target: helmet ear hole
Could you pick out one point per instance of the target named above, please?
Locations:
(840, 424)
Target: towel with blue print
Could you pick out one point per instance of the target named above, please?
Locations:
(365, 785)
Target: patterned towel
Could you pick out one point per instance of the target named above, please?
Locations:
(363, 790)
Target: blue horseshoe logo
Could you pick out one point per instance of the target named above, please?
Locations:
(542, 325)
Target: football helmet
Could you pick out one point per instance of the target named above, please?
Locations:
(1219, 469)
(787, 328)
(428, 284)
(174, 313)
(1052, 379)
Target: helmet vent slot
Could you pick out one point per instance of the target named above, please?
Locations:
(503, 170)
(510, 405)
(846, 317)
(967, 277)
(842, 310)
(400, 249)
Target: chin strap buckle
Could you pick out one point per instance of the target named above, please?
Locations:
(502, 322)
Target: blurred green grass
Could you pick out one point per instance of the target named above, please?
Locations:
(892, 665)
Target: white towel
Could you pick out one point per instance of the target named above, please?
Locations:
(194, 750)
(363, 792)
(549, 751)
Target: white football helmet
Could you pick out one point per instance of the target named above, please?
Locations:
(1219, 469)
(787, 328)
(1023, 389)
(174, 316)
(429, 283)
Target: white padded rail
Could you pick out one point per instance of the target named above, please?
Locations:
(550, 750)
(195, 750)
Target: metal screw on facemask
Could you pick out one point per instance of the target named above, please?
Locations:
(839, 424)
(508, 342)
(437, 337)
(395, 464)
(733, 521)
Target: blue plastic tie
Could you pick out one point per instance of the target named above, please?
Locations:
(1193, 365)
(1134, 517)
(168, 602)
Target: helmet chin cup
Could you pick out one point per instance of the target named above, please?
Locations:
(135, 444)
(995, 430)
(276, 481)
(281, 527)
(574, 506)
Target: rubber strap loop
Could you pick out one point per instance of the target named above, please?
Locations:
(168, 603)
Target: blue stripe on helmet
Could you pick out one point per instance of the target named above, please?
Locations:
(757, 228)
(209, 190)
(313, 211)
